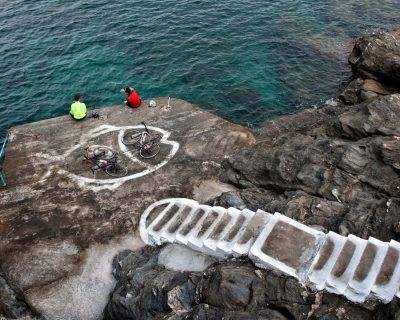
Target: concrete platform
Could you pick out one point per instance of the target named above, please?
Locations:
(52, 196)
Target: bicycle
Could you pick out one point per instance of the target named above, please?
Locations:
(106, 159)
(147, 144)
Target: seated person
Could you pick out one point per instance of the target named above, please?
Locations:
(132, 99)
(78, 109)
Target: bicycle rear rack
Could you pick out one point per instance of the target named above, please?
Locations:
(3, 182)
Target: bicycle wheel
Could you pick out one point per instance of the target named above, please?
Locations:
(117, 170)
(149, 150)
(131, 137)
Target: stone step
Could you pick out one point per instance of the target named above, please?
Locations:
(387, 281)
(225, 245)
(325, 260)
(346, 264)
(249, 234)
(287, 245)
(351, 266)
(162, 218)
(148, 217)
(205, 228)
(228, 221)
(161, 221)
(158, 229)
(198, 214)
(169, 231)
(367, 270)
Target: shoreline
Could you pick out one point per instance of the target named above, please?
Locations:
(335, 168)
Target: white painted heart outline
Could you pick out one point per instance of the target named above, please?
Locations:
(112, 184)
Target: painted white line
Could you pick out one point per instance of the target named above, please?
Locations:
(114, 183)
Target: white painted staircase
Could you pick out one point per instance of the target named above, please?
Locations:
(356, 268)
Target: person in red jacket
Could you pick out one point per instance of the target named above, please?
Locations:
(132, 98)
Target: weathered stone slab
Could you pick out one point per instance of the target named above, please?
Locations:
(52, 259)
(287, 245)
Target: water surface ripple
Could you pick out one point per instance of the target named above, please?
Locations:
(245, 60)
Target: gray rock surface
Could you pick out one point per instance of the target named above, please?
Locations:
(375, 61)
(378, 56)
(340, 175)
(233, 289)
(11, 301)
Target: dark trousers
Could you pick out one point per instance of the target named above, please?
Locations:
(77, 119)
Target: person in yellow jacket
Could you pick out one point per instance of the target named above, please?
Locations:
(78, 109)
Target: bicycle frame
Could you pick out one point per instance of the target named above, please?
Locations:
(143, 136)
(147, 144)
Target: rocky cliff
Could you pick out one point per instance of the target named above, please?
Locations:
(333, 168)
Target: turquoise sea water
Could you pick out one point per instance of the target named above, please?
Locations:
(246, 60)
